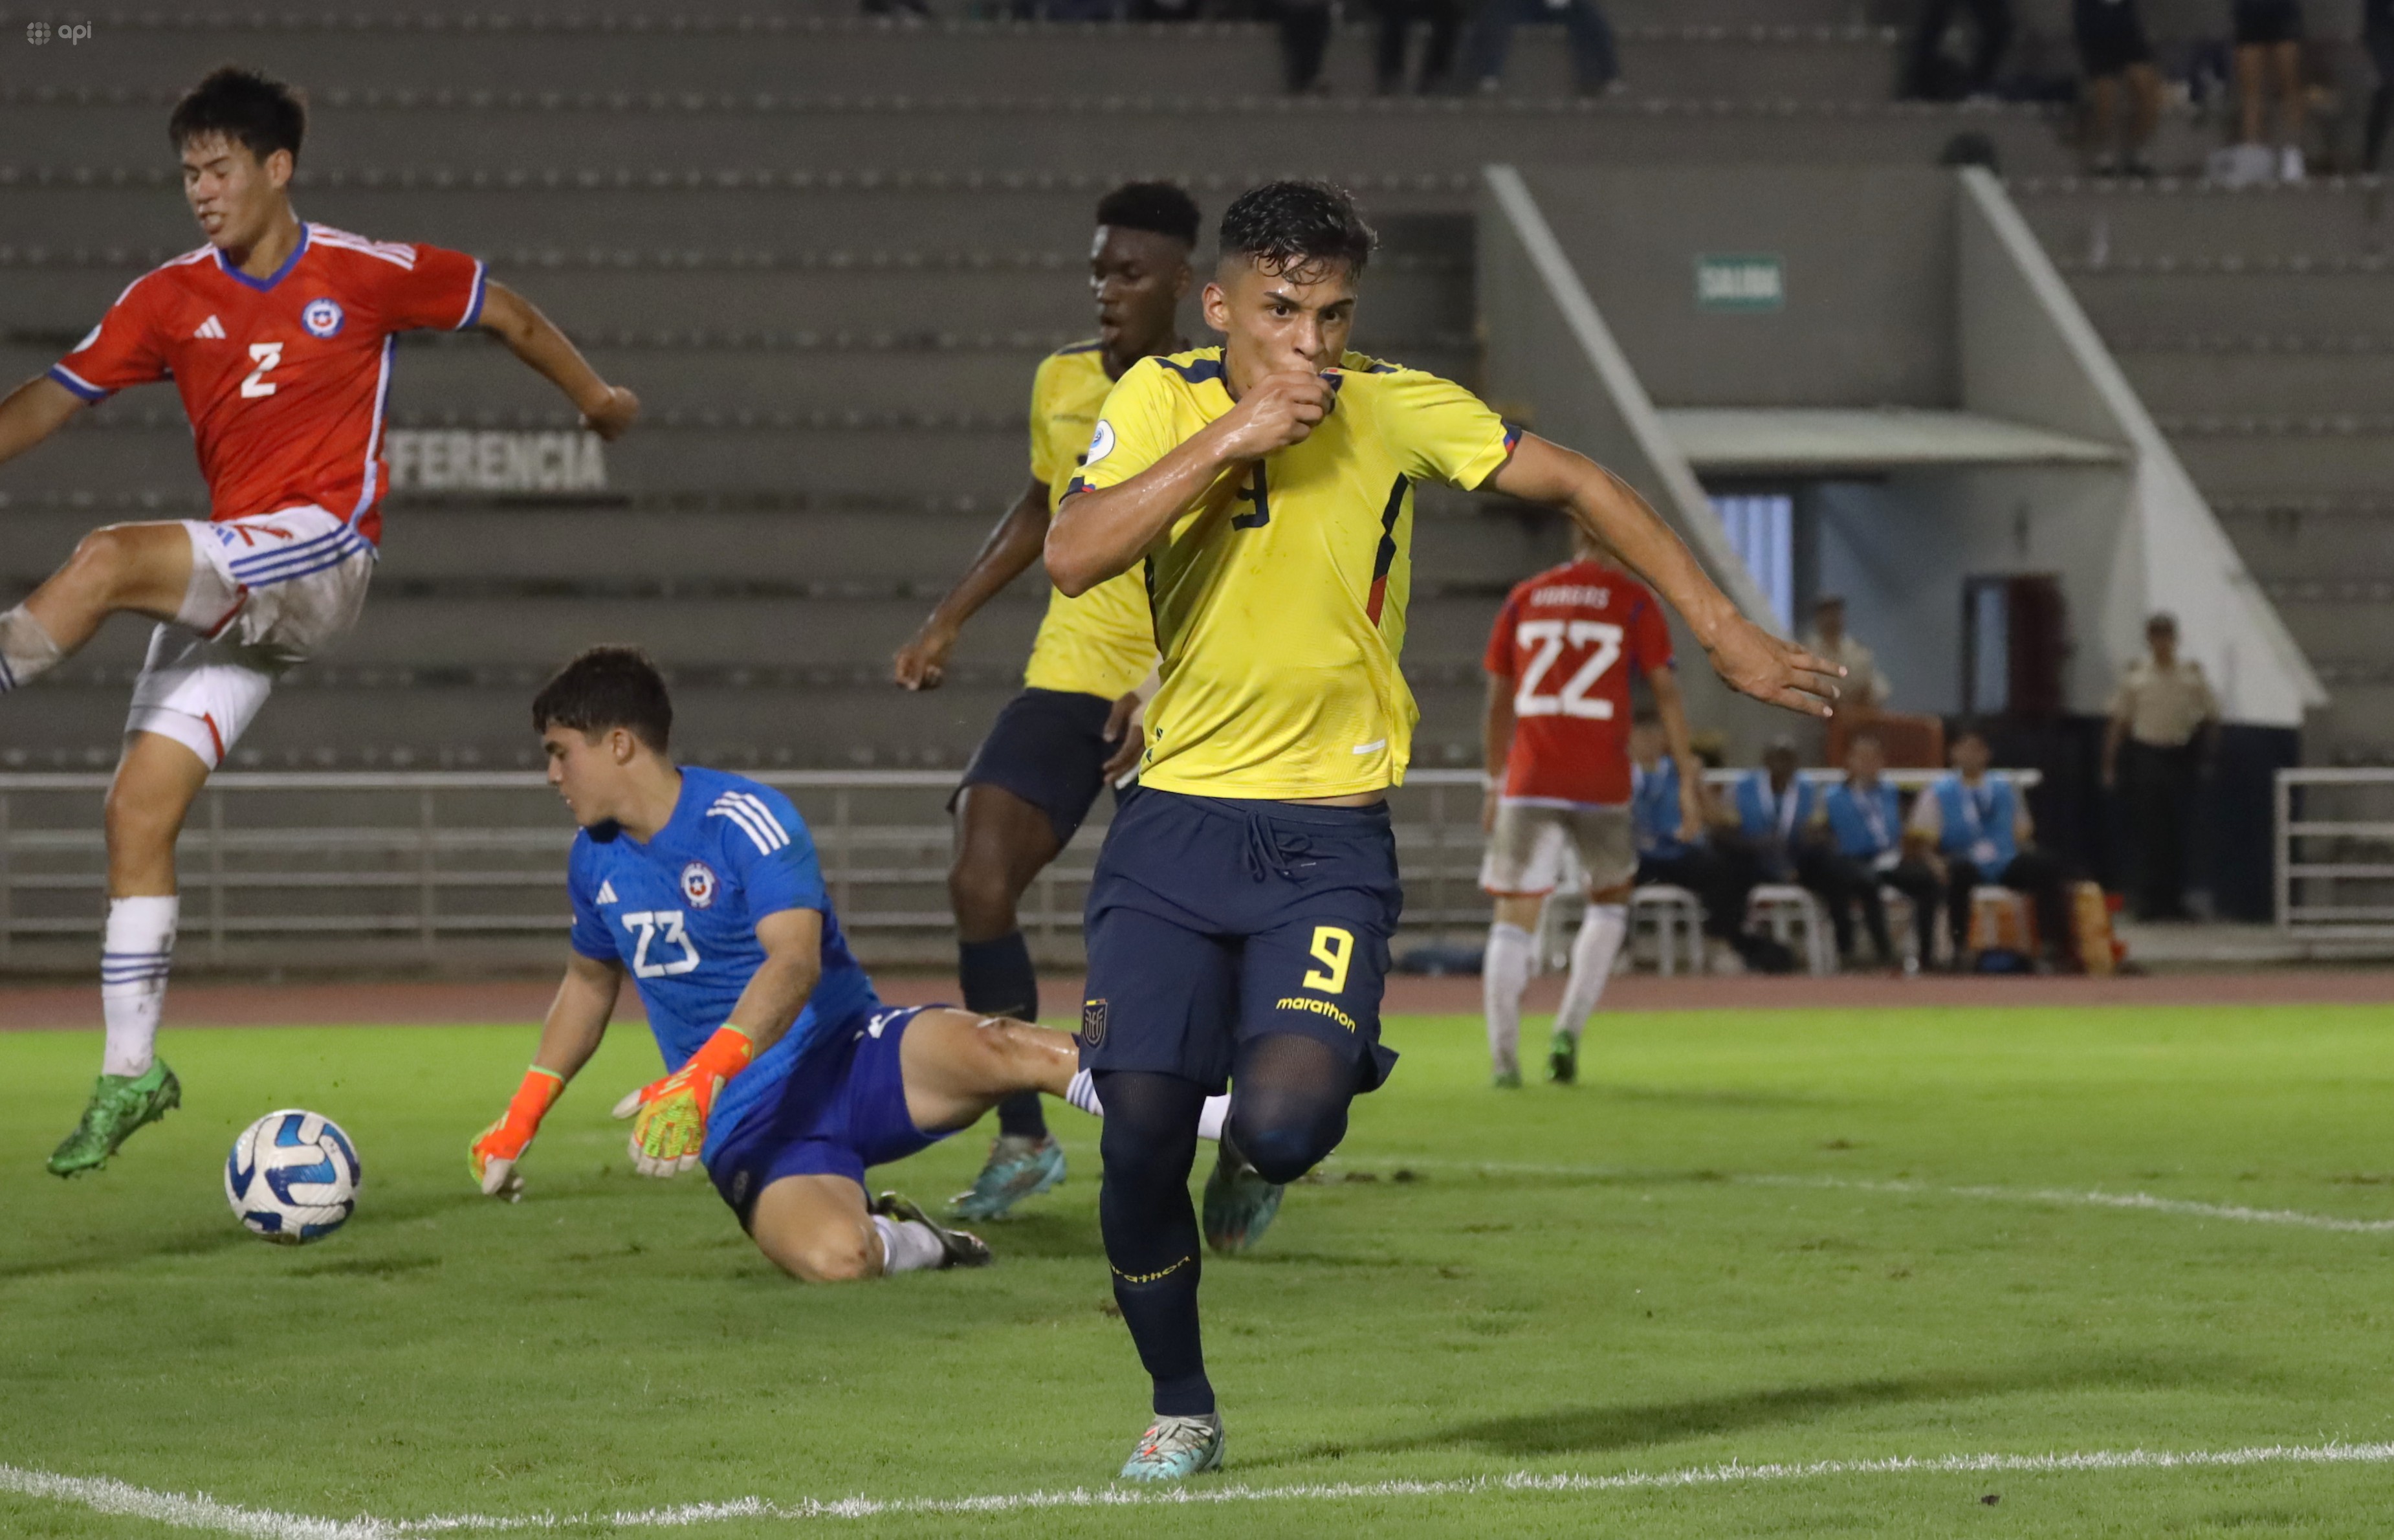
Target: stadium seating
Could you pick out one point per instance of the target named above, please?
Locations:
(827, 250)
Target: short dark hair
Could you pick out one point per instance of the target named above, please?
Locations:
(246, 106)
(1299, 229)
(604, 689)
(1157, 207)
(1969, 727)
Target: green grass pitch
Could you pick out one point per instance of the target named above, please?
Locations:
(1679, 1264)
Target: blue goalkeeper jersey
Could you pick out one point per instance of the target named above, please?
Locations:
(680, 913)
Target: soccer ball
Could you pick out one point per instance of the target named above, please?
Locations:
(292, 1176)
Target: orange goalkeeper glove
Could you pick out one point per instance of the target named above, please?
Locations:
(669, 1125)
(493, 1155)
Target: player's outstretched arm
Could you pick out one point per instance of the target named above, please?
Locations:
(669, 1116)
(1751, 659)
(609, 409)
(1107, 531)
(32, 411)
(577, 1021)
(1005, 555)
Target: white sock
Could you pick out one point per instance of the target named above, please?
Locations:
(1083, 1093)
(26, 650)
(1593, 950)
(907, 1245)
(133, 962)
(1512, 957)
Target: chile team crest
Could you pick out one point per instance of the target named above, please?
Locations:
(698, 885)
(323, 318)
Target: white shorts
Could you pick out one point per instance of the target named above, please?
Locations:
(1528, 849)
(267, 591)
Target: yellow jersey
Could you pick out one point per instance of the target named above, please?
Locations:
(1101, 643)
(1280, 598)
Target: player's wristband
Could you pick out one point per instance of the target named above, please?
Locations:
(533, 1099)
(724, 1055)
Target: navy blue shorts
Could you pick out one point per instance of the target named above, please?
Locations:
(1047, 747)
(2110, 37)
(843, 1109)
(1213, 921)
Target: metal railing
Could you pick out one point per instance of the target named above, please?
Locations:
(2335, 853)
(290, 868)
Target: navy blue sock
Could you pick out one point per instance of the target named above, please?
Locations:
(1149, 1140)
(999, 980)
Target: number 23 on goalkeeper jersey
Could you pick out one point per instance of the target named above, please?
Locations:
(679, 914)
(1279, 599)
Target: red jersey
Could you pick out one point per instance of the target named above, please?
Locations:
(1569, 639)
(284, 377)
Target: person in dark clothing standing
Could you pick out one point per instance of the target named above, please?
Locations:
(2113, 51)
(1396, 20)
(2377, 32)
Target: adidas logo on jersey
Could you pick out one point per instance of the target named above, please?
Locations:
(607, 893)
(210, 327)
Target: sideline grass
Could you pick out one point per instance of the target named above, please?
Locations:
(614, 1344)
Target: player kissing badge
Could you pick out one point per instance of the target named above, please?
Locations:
(323, 318)
(698, 884)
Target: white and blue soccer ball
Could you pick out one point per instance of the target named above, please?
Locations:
(292, 1176)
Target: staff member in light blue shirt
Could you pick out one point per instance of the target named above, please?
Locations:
(1865, 823)
(1981, 831)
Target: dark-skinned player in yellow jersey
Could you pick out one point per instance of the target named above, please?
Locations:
(1240, 916)
(1055, 745)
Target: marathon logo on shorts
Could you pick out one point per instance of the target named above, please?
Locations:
(1317, 1008)
(323, 318)
(1093, 1023)
(698, 885)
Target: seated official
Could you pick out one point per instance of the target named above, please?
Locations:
(1674, 847)
(1776, 813)
(1981, 833)
(1866, 852)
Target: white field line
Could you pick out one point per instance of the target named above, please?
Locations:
(101, 1496)
(2058, 1196)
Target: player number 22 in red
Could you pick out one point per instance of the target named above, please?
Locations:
(1552, 639)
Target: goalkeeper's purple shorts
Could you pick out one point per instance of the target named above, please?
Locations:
(842, 1109)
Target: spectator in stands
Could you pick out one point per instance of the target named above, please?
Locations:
(1865, 688)
(2164, 720)
(1867, 854)
(1980, 832)
(1669, 852)
(1596, 60)
(2377, 32)
(1304, 43)
(2113, 48)
(1396, 22)
(1931, 76)
(2270, 48)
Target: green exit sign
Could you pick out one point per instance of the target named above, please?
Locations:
(1741, 281)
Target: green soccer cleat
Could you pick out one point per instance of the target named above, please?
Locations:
(958, 1248)
(1175, 1448)
(119, 1104)
(1019, 1167)
(1239, 1204)
(1562, 1060)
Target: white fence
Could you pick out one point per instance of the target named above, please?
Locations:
(299, 869)
(2335, 853)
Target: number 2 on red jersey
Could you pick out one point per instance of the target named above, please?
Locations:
(1553, 639)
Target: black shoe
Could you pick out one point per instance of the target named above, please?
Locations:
(958, 1248)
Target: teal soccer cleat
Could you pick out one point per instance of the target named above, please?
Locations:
(119, 1104)
(1176, 1447)
(1239, 1205)
(1018, 1168)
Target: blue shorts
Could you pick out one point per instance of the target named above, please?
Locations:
(1213, 921)
(843, 1109)
(1047, 747)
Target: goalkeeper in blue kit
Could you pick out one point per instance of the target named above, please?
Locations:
(790, 1077)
